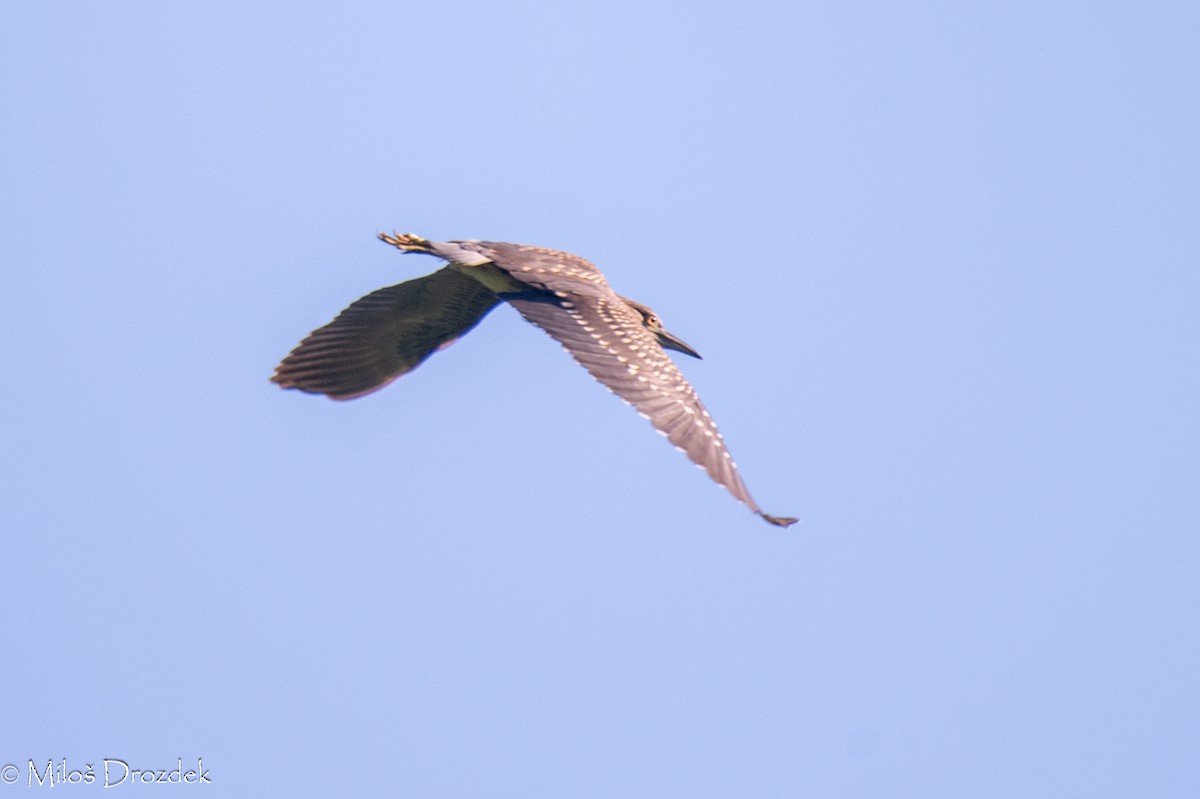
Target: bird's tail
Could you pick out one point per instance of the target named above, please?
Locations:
(409, 242)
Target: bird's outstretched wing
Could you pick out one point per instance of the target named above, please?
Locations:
(610, 340)
(385, 334)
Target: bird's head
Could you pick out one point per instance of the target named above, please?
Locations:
(654, 325)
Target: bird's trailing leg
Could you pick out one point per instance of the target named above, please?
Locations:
(409, 242)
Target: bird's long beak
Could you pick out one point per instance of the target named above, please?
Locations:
(670, 342)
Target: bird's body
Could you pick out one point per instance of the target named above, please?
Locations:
(620, 342)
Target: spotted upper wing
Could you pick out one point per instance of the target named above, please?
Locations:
(385, 334)
(537, 267)
(610, 340)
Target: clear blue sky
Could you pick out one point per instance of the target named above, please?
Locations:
(942, 262)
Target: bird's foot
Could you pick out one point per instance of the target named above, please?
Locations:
(409, 242)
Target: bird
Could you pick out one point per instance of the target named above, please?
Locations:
(621, 342)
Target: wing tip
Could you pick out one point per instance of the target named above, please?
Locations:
(778, 521)
(338, 392)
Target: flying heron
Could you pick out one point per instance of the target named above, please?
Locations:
(390, 332)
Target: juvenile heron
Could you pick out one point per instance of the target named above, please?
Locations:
(391, 331)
